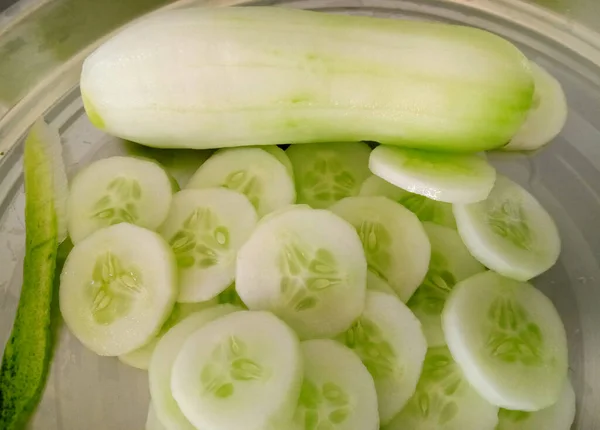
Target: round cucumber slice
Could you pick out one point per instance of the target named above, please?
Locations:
(152, 422)
(306, 266)
(117, 288)
(444, 400)
(206, 228)
(547, 116)
(450, 263)
(281, 156)
(241, 371)
(451, 178)
(115, 190)
(393, 238)
(509, 341)
(338, 392)
(251, 171)
(375, 283)
(328, 172)
(510, 232)
(425, 209)
(559, 416)
(389, 340)
(161, 365)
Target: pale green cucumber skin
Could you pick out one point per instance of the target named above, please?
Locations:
(265, 76)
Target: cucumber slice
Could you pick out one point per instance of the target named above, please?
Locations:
(152, 422)
(115, 190)
(206, 228)
(509, 341)
(338, 392)
(281, 156)
(450, 263)
(117, 288)
(394, 241)
(425, 209)
(389, 340)
(306, 266)
(161, 365)
(444, 400)
(510, 232)
(140, 358)
(559, 416)
(241, 371)
(547, 116)
(251, 171)
(451, 178)
(375, 283)
(328, 172)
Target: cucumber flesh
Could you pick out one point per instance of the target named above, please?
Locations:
(509, 341)
(450, 263)
(205, 229)
(307, 266)
(559, 416)
(389, 340)
(393, 238)
(243, 370)
(251, 171)
(115, 190)
(328, 172)
(547, 116)
(425, 209)
(451, 178)
(161, 365)
(281, 156)
(338, 392)
(117, 288)
(375, 283)
(510, 232)
(444, 400)
(152, 422)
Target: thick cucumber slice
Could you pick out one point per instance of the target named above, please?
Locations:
(425, 209)
(451, 178)
(117, 288)
(161, 365)
(510, 232)
(450, 263)
(206, 228)
(559, 416)
(306, 266)
(115, 190)
(389, 340)
(508, 339)
(251, 171)
(547, 116)
(375, 283)
(394, 241)
(328, 172)
(152, 422)
(241, 371)
(140, 358)
(444, 400)
(338, 392)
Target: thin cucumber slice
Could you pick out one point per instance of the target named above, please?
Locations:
(509, 341)
(117, 288)
(241, 371)
(510, 232)
(306, 266)
(140, 358)
(152, 422)
(559, 416)
(375, 283)
(115, 190)
(281, 156)
(547, 116)
(450, 263)
(251, 171)
(444, 400)
(206, 228)
(389, 340)
(328, 172)
(424, 208)
(28, 351)
(394, 241)
(161, 365)
(338, 392)
(451, 178)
